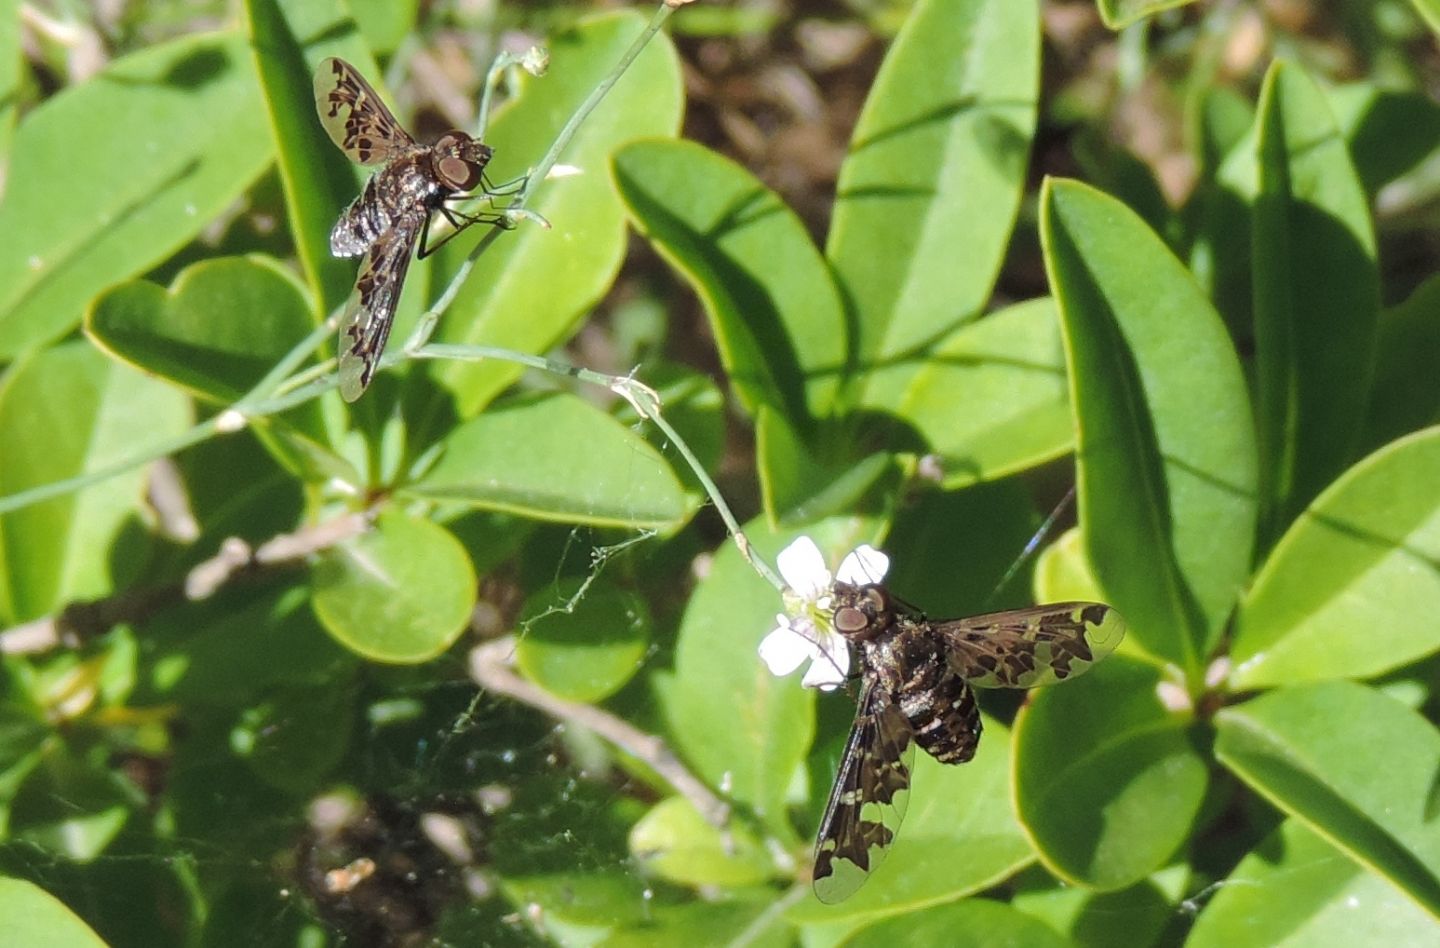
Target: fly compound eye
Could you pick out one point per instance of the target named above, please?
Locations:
(849, 620)
(457, 173)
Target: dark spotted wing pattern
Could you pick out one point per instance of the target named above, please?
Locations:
(355, 117)
(365, 326)
(1028, 647)
(868, 800)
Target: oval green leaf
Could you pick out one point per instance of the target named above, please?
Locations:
(170, 134)
(1166, 465)
(220, 327)
(677, 844)
(1295, 890)
(583, 644)
(1092, 757)
(65, 412)
(993, 398)
(399, 593)
(1345, 592)
(937, 163)
(35, 917)
(972, 922)
(556, 457)
(1317, 296)
(773, 306)
(1355, 766)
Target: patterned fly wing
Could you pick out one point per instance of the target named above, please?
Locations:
(355, 117)
(868, 800)
(365, 325)
(1028, 647)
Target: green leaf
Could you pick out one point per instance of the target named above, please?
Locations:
(1134, 916)
(400, 593)
(157, 165)
(930, 188)
(220, 327)
(64, 412)
(1389, 131)
(35, 917)
(1166, 464)
(288, 41)
(773, 306)
(556, 457)
(674, 842)
(1092, 757)
(385, 23)
(530, 289)
(1119, 14)
(10, 66)
(738, 725)
(1063, 573)
(993, 398)
(1360, 563)
(1317, 297)
(971, 922)
(1404, 395)
(801, 483)
(1429, 11)
(953, 809)
(588, 651)
(1296, 889)
(1354, 766)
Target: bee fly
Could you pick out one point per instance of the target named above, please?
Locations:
(393, 212)
(916, 689)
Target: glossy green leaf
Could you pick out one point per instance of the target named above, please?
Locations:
(674, 842)
(400, 593)
(556, 457)
(1118, 14)
(773, 306)
(953, 809)
(1093, 759)
(1404, 396)
(1429, 10)
(64, 412)
(700, 923)
(1389, 131)
(929, 191)
(1063, 573)
(1356, 767)
(1345, 592)
(1316, 297)
(216, 331)
(532, 287)
(1137, 915)
(288, 41)
(736, 724)
(35, 917)
(993, 398)
(588, 651)
(1295, 890)
(972, 922)
(801, 482)
(10, 63)
(155, 168)
(1165, 462)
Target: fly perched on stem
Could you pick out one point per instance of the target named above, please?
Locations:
(393, 213)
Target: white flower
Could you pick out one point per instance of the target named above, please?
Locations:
(805, 630)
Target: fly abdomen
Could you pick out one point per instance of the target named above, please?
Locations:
(945, 718)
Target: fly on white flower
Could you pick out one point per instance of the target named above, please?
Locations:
(806, 629)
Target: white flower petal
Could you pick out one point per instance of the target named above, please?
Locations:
(783, 650)
(862, 565)
(827, 672)
(802, 566)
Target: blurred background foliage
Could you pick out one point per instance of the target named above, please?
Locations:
(472, 662)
